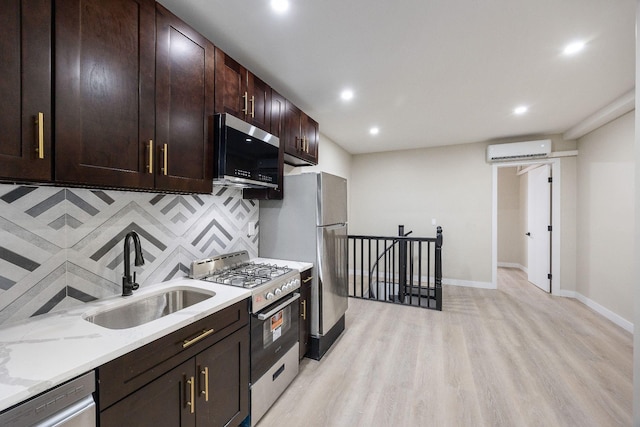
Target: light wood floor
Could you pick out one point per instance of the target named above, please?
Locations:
(508, 357)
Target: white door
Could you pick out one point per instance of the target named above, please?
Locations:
(538, 220)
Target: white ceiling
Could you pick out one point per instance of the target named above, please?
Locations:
(430, 72)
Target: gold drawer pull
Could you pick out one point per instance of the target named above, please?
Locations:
(307, 280)
(165, 154)
(150, 165)
(205, 372)
(40, 131)
(245, 110)
(304, 310)
(192, 341)
(191, 402)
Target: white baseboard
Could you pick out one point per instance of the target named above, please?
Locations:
(468, 283)
(452, 282)
(513, 265)
(605, 312)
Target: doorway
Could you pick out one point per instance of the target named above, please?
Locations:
(554, 200)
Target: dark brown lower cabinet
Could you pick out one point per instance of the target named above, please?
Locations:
(224, 401)
(204, 384)
(305, 311)
(160, 403)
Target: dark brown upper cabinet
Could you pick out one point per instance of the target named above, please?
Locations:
(301, 137)
(105, 92)
(185, 76)
(278, 110)
(25, 90)
(240, 93)
(132, 97)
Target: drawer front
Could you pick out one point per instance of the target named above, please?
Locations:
(128, 373)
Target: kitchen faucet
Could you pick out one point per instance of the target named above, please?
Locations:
(129, 285)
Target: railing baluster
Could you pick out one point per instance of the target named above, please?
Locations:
(411, 244)
(420, 273)
(361, 264)
(429, 272)
(396, 257)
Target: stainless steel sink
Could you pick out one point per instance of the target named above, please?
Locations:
(148, 308)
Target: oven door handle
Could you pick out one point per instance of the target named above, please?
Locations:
(265, 316)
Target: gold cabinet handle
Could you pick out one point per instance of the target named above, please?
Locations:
(306, 144)
(190, 402)
(192, 341)
(304, 310)
(205, 372)
(307, 280)
(40, 131)
(150, 164)
(253, 106)
(165, 154)
(245, 110)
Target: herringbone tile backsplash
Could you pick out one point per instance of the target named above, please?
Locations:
(61, 247)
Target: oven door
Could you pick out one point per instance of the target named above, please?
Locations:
(274, 330)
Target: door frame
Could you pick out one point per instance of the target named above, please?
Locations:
(556, 173)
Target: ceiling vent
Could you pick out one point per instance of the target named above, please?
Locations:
(519, 151)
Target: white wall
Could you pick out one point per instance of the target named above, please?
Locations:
(510, 210)
(568, 211)
(636, 196)
(451, 184)
(606, 216)
(523, 216)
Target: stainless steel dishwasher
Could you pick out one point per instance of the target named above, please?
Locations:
(68, 405)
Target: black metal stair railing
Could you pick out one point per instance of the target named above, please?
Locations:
(403, 270)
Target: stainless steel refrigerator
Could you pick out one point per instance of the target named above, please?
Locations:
(310, 224)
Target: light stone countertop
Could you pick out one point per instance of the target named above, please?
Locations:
(46, 351)
(298, 265)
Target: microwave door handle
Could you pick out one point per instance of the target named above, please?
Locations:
(265, 316)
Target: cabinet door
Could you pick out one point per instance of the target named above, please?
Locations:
(105, 91)
(278, 110)
(231, 86)
(166, 401)
(223, 381)
(310, 130)
(278, 115)
(292, 135)
(184, 102)
(25, 89)
(305, 311)
(259, 94)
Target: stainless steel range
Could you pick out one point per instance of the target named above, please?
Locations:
(274, 320)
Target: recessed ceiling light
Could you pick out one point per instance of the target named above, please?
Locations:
(374, 131)
(347, 95)
(520, 110)
(280, 6)
(573, 48)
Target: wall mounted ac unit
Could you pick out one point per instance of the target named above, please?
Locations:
(519, 150)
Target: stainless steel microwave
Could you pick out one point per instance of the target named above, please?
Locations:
(245, 156)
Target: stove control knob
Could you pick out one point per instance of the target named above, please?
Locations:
(278, 291)
(286, 286)
(296, 282)
(270, 296)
